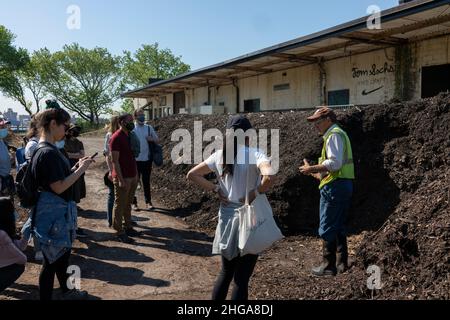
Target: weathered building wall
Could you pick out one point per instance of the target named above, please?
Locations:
(430, 53)
(369, 78)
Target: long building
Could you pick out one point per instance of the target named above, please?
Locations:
(406, 57)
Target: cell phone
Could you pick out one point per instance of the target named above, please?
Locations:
(94, 156)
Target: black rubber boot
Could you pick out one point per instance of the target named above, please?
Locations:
(341, 254)
(328, 266)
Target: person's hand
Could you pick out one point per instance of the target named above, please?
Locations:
(150, 139)
(122, 183)
(306, 169)
(85, 163)
(223, 197)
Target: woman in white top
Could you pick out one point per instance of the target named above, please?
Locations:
(233, 178)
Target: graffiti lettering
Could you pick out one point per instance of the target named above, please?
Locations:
(374, 71)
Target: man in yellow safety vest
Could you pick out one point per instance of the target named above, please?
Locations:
(336, 173)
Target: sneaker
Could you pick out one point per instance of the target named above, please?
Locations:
(132, 233)
(135, 207)
(74, 295)
(150, 207)
(125, 239)
(80, 233)
(39, 256)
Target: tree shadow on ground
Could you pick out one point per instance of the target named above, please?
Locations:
(114, 274)
(180, 241)
(111, 253)
(31, 292)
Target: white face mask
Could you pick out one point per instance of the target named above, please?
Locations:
(60, 144)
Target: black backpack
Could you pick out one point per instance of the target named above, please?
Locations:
(26, 184)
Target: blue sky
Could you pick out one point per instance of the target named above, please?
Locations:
(203, 32)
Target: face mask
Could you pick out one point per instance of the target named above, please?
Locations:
(141, 119)
(3, 133)
(60, 144)
(130, 126)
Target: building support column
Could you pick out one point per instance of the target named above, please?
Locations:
(323, 83)
(405, 69)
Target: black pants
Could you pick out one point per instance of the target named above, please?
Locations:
(47, 277)
(240, 270)
(9, 275)
(145, 172)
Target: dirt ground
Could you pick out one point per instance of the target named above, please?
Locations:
(400, 218)
(169, 261)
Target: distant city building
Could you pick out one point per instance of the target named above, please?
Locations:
(11, 116)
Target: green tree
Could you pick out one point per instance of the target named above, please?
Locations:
(31, 80)
(85, 81)
(151, 62)
(12, 60)
(127, 106)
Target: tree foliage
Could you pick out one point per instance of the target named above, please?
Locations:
(85, 81)
(150, 61)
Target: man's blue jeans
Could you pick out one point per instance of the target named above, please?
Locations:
(335, 201)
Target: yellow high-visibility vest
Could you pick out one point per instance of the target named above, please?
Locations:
(348, 168)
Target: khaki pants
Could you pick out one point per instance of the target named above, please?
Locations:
(122, 204)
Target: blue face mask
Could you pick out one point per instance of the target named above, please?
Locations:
(3, 133)
(60, 144)
(141, 119)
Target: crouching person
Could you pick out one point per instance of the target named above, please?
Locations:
(55, 215)
(12, 259)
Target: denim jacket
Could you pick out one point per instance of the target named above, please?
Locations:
(55, 226)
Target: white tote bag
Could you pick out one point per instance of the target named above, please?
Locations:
(257, 228)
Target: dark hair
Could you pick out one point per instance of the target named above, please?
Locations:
(228, 168)
(52, 104)
(32, 130)
(7, 218)
(44, 118)
(124, 117)
(237, 122)
(137, 111)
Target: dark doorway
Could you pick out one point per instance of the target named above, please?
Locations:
(253, 105)
(339, 97)
(179, 102)
(435, 79)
